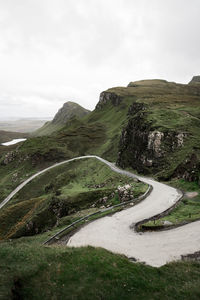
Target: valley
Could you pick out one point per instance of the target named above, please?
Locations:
(150, 128)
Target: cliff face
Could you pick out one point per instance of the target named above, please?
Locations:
(142, 146)
(108, 97)
(195, 80)
(161, 135)
(151, 126)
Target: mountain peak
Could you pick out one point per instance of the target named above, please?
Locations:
(195, 80)
(66, 113)
(70, 109)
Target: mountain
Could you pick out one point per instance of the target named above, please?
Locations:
(195, 80)
(150, 126)
(69, 110)
(22, 125)
(65, 114)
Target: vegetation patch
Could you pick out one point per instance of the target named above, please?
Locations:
(32, 271)
(187, 211)
(58, 195)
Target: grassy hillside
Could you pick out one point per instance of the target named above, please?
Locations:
(32, 271)
(60, 195)
(150, 126)
(162, 134)
(187, 211)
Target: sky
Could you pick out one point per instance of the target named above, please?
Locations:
(54, 51)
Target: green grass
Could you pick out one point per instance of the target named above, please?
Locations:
(32, 271)
(47, 129)
(170, 107)
(187, 211)
(60, 194)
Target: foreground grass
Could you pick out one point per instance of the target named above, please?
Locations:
(187, 211)
(32, 271)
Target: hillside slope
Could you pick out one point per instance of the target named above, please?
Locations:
(151, 126)
(65, 114)
(162, 134)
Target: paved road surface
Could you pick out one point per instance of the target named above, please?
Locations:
(114, 232)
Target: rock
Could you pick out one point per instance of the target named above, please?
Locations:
(108, 97)
(9, 157)
(143, 147)
(124, 192)
(188, 169)
(127, 186)
(195, 80)
(105, 199)
(180, 139)
(154, 142)
(102, 207)
(191, 194)
(167, 223)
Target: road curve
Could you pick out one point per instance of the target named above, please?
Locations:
(115, 234)
(17, 189)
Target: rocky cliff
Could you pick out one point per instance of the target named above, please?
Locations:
(195, 80)
(108, 97)
(69, 110)
(161, 135)
(143, 146)
(151, 126)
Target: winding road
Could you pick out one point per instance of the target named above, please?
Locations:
(117, 234)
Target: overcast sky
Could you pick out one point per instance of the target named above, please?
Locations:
(53, 51)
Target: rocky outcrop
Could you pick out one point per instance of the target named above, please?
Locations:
(195, 80)
(108, 97)
(189, 169)
(142, 146)
(9, 157)
(125, 193)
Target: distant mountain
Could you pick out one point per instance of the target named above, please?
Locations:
(69, 111)
(22, 125)
(195, 80)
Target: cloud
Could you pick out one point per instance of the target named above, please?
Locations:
(52, 51)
